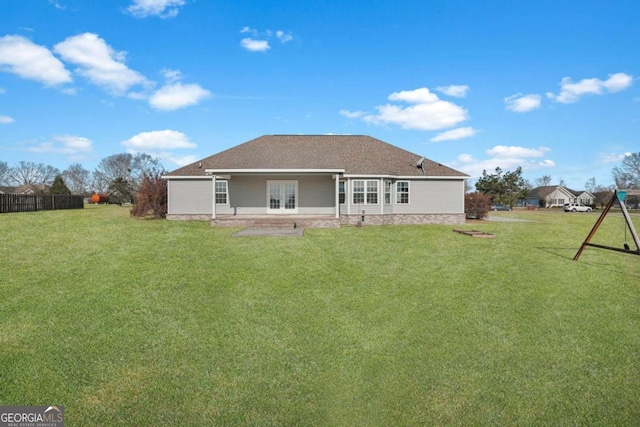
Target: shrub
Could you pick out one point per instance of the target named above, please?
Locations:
(477, 205)
(151, 198)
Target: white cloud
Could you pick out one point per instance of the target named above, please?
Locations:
(417, 96)
(458, 91)
(57, 5)
(71, 145)
(178, 160)
(6, 120)
(352, 114)
(284, 37)
(429, 113)
(158, 140)
(503, 151)
(259, 40)
(172, 76)
(160, 8)
(99, 63)
(523, 103)
(20, 56)
(177, 95)
(455, 134)
(249, 30)
(612, 157)
(571, 92)
(255, 45)
(506, 158)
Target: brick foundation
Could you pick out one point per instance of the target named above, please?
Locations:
(323, 222)
(409, 219)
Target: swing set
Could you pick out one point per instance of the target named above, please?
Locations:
(618, 195)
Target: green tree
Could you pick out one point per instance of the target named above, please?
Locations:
(503, 187)
(58, 186)
(120, 191)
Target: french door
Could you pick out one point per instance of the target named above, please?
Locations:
(282, 197)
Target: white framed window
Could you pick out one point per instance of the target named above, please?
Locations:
(387, 192)
(222, 197)
(402, 192)
(372, 192)
(365, 192)
(341, 193)
(358, 192)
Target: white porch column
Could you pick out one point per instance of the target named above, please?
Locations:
(337, 196)
(381, 193)
(347, 194)
(213, 196)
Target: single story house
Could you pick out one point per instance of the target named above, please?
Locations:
(557, 196)
(317, 181)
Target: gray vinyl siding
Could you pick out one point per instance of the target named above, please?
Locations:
(425, 197)
(189, 196)
(432, 196)
(316, 195)
(248, 194)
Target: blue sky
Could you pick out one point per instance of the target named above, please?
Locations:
(547, 85)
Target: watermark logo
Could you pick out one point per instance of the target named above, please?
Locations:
(31, 416)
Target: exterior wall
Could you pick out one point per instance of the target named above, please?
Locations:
(584, 198)
(248, 194)
(189, 197)
(430, 201)
(425, 197)
(558, 198)
(433, 197)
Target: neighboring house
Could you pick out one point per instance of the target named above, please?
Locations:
(29, 189)
(556, 196)
(317, 180)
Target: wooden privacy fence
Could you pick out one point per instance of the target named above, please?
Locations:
(38, 202)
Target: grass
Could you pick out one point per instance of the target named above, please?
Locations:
(144, 322)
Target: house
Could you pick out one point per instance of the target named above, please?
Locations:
(317, 180)
(556, 196)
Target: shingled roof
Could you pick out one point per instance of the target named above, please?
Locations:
(356, 154)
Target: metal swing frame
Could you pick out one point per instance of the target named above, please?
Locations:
(627, 219)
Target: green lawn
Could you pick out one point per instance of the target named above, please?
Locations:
(145, 322)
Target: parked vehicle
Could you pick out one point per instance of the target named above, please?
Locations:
(576, 207)
(500, 208)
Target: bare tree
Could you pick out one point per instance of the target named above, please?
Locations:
(29, 173)
(49, 173)
(77, 178)
(113, 167)
(627, 175)
(126, 166)
(143, 163)
(4, 173)
(543, 181)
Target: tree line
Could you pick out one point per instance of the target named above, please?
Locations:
(118, 169)
(508, 187)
